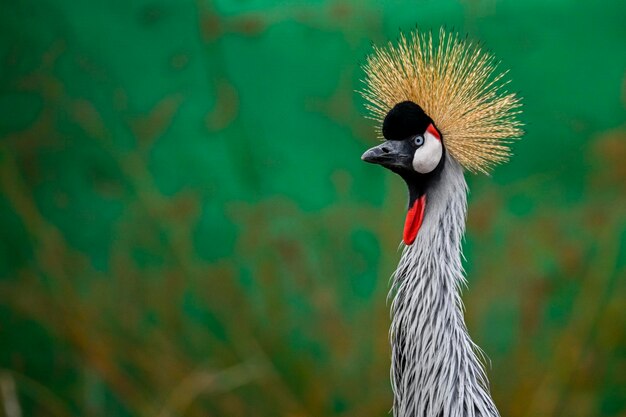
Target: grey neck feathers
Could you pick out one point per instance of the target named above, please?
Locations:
(435, 369)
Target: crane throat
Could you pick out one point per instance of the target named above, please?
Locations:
(414, 219)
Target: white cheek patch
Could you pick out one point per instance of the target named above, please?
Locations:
(427, 157)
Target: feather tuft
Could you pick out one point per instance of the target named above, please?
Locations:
(457, 85)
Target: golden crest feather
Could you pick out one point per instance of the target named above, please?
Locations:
(456, 84)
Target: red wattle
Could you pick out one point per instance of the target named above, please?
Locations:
(414, 220)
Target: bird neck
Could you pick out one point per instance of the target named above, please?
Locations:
(435, 370)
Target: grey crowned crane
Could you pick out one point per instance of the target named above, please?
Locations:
(440, 109)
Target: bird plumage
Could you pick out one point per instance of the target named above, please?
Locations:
(440, 109)
(435, 368)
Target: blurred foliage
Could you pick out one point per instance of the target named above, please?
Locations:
(187, 228)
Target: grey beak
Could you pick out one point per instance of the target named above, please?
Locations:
(371, 154)
(390, 154)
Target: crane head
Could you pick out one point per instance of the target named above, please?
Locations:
(437, 100)
(413, 149)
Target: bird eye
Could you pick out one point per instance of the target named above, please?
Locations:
(419, 140)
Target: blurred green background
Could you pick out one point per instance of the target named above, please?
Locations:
(188, 230)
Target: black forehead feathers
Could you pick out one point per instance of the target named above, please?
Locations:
(406, 119)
